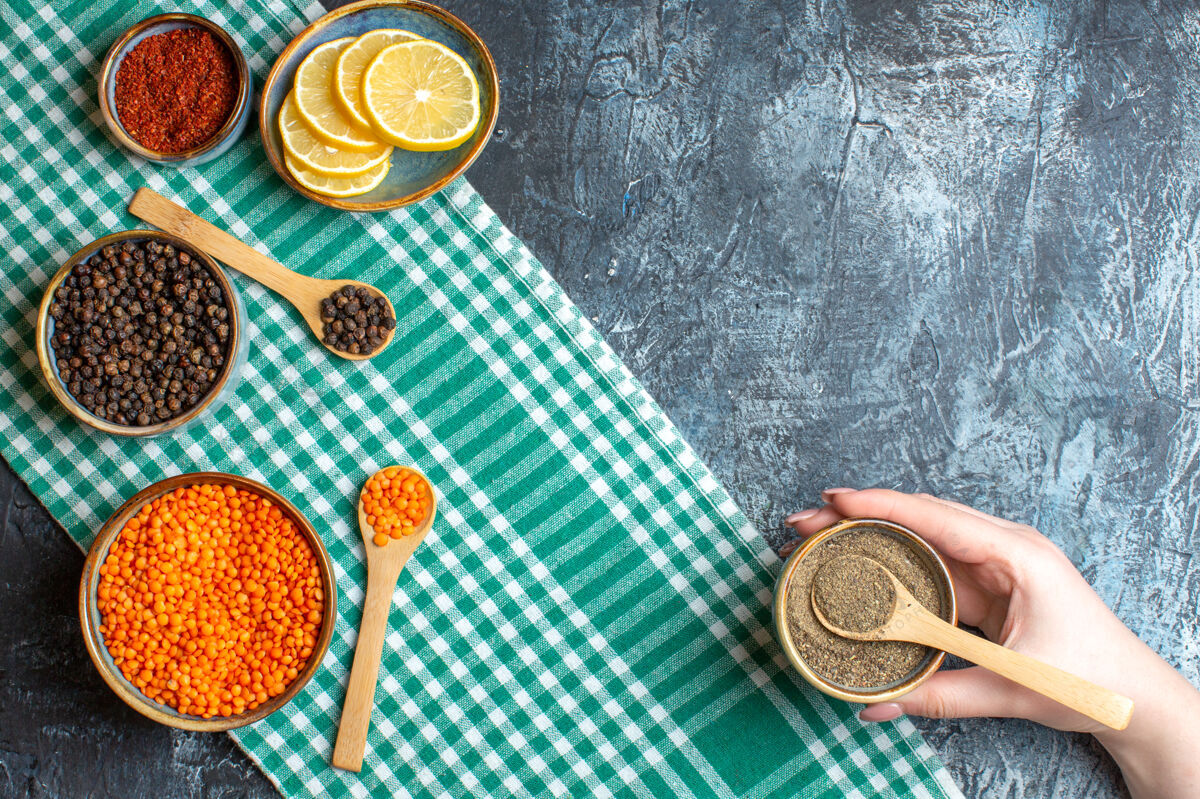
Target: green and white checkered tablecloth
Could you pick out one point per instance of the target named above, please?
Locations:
(590, 614)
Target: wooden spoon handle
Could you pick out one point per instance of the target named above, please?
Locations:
(364, 674)
(179, 221)
(1094, 701)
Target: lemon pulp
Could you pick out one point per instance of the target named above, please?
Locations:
(315, 103)
(353, 62)
(313, 153)
(421, 95)
(336, 186)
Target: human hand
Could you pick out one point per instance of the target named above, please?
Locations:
(1017, 587)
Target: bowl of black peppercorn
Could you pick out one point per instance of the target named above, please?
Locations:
(139, 334)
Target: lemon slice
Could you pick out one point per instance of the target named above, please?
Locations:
(336, 187)
(353, 62)
(314, 154)
(421, 95)
(314, 100)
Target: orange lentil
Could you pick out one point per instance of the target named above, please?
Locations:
(194, 616)
(395, 501)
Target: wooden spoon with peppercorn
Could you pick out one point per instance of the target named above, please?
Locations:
(352, 319)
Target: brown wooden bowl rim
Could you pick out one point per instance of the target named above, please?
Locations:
(55, 383)
(782, 631)
(107, 74)
(89, 613)
(492, 77)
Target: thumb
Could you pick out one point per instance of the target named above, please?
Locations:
(962, 693)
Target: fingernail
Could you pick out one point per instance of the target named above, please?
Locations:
(885, 711)
(789, 547)
(830, 492)
(800, 516)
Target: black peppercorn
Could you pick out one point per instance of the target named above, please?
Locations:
(355, 320)
(118, 332)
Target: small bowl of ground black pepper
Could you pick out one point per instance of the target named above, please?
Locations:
(851, 670)
(175, 90)
(140, 335)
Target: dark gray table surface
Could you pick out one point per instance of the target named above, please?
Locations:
(946, 247)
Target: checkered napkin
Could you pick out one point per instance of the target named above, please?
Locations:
(589, 615)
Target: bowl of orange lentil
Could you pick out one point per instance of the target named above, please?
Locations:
(207, 601)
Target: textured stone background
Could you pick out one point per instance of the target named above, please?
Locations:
(939, 246)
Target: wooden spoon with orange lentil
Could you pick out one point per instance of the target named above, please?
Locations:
(395, 511)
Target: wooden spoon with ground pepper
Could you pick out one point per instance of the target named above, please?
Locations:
(333, 314)
(857, 598)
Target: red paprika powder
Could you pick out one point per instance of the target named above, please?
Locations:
(176, 89)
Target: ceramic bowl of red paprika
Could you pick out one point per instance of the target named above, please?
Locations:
(175, 90)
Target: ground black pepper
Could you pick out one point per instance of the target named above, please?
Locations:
(141, 332)
(854, 593)
(355, 320)
(859, 664)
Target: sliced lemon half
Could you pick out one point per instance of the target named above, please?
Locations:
(314, 154)
(314, 100)
(336, 187)
(421, 95)
(353, 62)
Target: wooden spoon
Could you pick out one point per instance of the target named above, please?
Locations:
(384, 564)
(304, 292)
(910, 621)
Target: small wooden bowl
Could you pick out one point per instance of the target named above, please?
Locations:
(413, 176)
(226, 381)
(223, 139)
(89, 612)
(933, 660)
